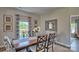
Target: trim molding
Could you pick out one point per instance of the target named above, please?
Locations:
(62, 44)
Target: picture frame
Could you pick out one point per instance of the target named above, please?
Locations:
(51, 25)
(7, 23)
(7, 19)
(7, 27)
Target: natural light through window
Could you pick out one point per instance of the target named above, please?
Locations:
(24, 28)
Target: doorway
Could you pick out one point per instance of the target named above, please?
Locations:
(74, 33)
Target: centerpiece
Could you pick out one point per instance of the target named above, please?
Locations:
(36, 30)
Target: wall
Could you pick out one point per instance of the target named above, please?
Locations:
(62, 15)
(13, 12)
(63, 23)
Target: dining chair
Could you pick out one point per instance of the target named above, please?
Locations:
(41, 44)
(8, 44)
(50, 41)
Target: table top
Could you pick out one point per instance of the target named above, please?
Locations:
(21, 44)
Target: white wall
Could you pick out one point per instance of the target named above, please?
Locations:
(13, 12)
(63, 22)
(62, 15)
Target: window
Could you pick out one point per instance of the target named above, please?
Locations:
(23, 29)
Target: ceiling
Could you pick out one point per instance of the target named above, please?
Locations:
(37, 10)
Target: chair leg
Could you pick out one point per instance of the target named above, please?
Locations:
(44, 50)
(52, 47)
(47, 48)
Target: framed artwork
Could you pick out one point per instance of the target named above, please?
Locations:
(51, 25)
(7, 23)
(7, 27)
(7, 19)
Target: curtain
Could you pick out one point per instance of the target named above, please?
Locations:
(30, 27)
(17, 26)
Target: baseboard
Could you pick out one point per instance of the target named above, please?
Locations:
(62, 44)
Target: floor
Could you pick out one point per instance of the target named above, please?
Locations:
(58, 48)
(75, 44)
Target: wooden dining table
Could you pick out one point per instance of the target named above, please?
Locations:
(22, 44)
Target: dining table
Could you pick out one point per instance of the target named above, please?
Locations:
(24, 43)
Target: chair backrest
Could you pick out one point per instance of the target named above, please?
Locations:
(41, 43)
(7, 43)
(7, 39)
(51, 38)
(52, 35)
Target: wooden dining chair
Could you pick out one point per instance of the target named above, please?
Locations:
(50, 41)
(41, 44)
